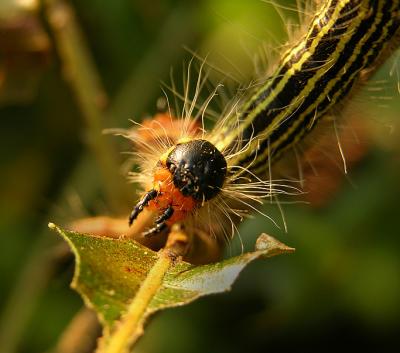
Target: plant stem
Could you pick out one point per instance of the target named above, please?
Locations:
(130, 328)
(126, 332)
(40, 265)
(19, 305)
(80, 335)
(79, 70)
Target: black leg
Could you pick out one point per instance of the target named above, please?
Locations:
(160, 222)
(151, 195)
(157, 229)
(166, 215)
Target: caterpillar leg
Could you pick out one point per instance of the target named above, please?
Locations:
(160, 222)
(155, 230)
(166, 215)
(150, 195)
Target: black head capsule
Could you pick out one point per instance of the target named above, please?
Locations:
(198, 169)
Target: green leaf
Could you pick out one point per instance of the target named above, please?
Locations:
(109, 273)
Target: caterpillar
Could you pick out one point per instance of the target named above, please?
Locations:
(200, 178)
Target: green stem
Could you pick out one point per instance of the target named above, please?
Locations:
(130, 327)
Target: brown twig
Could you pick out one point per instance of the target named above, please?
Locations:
(79, 70)
(80, 335)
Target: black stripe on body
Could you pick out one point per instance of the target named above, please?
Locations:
(296, 83)
(373, 45)
(343, 85)
(293, 59)
(323, 53)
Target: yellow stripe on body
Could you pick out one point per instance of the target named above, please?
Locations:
(221, 145)
(337, 95)
(291, 109)
(300, 119)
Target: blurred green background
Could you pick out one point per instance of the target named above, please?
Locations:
(339, 291)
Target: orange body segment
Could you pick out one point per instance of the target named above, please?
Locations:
(170, 195)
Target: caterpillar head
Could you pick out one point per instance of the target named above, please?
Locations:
(198, 169)
(187, 175)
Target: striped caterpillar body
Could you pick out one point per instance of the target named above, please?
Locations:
(344, 42)
(225, 170)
